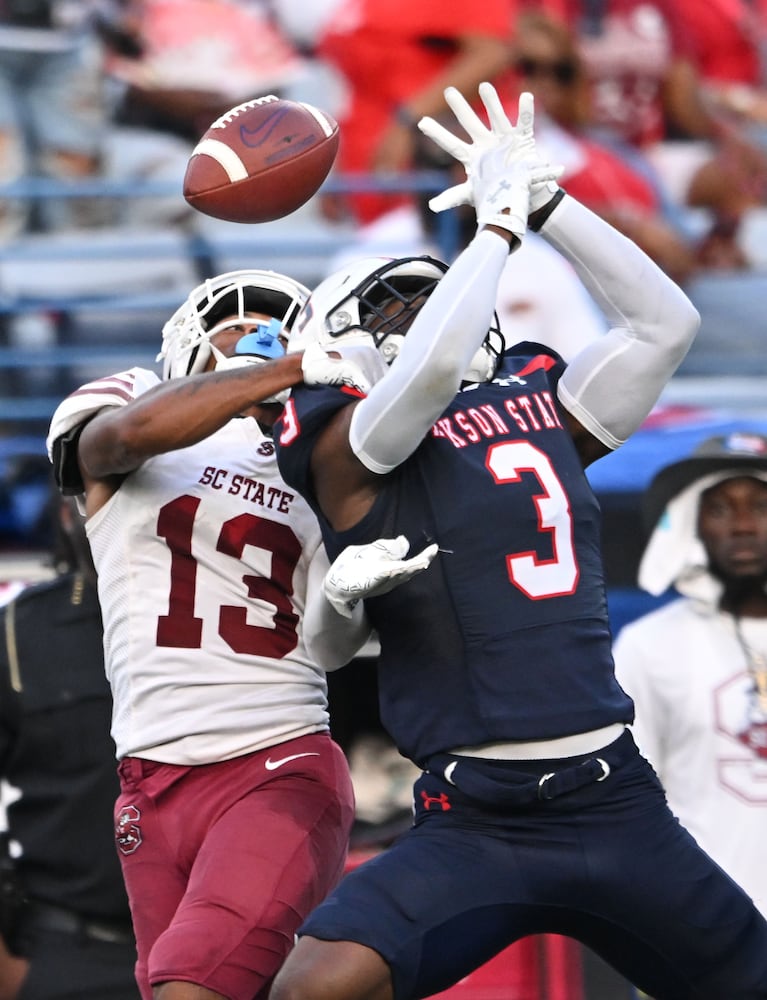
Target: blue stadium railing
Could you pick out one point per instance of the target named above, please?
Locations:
(91, 331)
(103, 330)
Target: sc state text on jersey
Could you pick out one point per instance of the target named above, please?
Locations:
(263, 494)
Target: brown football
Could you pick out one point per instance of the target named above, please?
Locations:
(261, 161)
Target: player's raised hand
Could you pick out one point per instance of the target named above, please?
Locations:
(371, 570)
(321, 368)
(501, 162)
(500, 134)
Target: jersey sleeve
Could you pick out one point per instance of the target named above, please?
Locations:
(306, 412)
(528, 356)
(72, 414)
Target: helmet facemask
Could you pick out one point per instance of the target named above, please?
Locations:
(262, 344)
(388, 304)
(220, 303)
(373, 302)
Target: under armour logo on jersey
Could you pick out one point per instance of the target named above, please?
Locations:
(508, 380)
(438, 800)
(266, 448)
(127, 830)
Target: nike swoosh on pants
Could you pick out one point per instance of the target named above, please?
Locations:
(271, 765)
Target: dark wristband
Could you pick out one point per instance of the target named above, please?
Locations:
(537, 219)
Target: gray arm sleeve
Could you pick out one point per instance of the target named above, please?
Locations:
(389, 424)
(612, 384)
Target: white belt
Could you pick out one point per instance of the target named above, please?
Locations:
(563, 746)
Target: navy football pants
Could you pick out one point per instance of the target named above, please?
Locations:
(603, 861)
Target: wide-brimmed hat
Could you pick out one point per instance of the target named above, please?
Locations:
(731, 453)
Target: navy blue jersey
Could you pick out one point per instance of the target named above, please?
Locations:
(506, 635)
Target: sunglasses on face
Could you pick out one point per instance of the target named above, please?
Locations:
(561, 70)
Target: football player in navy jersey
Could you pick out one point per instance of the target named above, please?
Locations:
(534, 812)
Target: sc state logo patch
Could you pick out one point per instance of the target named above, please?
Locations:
(127, 830)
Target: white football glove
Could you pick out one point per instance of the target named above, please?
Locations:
(371, 570)
(320, 368)
(503, 169)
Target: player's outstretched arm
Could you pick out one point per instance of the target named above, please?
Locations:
(176, 414)
(109, 427)
(612, 384)
(501, 166)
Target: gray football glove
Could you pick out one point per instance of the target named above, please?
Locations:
(371, 570)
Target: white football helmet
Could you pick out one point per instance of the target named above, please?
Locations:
(372, 302)
(217, 304)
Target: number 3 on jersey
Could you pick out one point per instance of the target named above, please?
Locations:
(538, 578)
(182, 629)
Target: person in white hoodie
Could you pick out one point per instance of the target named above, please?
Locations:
(696, 668)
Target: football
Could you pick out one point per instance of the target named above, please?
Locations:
(261, 161)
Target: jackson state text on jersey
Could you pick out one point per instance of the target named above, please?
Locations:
(518, 646)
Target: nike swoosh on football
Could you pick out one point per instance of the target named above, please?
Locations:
(272, 765)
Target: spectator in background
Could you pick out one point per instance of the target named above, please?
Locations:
(58, 121)
(729, 45)
(183, 63)
(71, 936)
(547, 63)
(54, 109)
(646, 97)
(697, 668)
(397, 57)
(174, 67)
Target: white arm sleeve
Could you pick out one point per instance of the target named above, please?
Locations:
(330, 639)
(612, 384)
(391, 422)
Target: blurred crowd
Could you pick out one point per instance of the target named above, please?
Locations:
(656, 110)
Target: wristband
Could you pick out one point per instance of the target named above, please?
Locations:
(540, 216)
